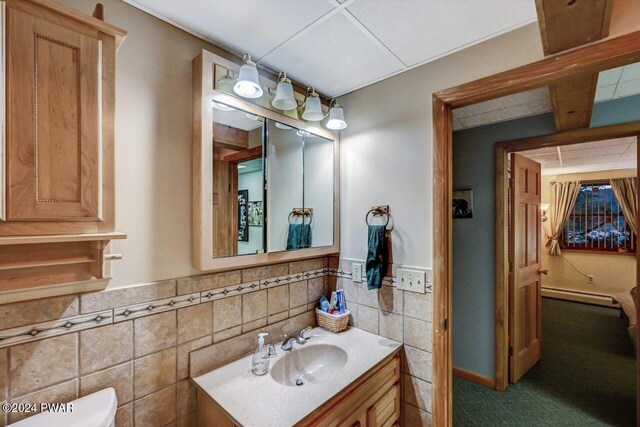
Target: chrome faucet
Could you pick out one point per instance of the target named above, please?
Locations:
(300, 339)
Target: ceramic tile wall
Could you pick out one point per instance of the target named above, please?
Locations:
(146, 340)
(138, 339)
(401, 316)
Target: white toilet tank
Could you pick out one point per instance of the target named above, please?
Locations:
(94, 410)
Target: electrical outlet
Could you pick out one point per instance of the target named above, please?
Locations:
(356, 272)
(591, 279)
(410, 280)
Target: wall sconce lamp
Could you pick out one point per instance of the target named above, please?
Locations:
(284, 99)
(248, 85)
(544, 207)
(313, 111)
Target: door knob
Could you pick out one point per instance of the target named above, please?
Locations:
(545, 272)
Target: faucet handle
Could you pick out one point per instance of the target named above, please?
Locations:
(271, 350)
(307, 329)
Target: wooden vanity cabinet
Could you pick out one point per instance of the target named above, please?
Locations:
(372, 401)
(56, 174)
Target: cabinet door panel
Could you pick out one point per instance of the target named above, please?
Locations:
(53, 142)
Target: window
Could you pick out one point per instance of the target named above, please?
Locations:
(597, 222)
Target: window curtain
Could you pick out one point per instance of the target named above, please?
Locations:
(626, 191)
(562, 202)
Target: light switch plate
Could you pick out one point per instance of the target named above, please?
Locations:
(356, 272)
(411, 280)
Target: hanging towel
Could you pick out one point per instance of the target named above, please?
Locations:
(305, 239)
(294, 237)
(299, 236)
(376, 256)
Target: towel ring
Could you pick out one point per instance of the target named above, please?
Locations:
(378, 211)
(299, 212)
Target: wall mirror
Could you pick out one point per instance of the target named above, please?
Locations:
(265, 184)
(300, 186)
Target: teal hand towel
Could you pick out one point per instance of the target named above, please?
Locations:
(376, 256)
(305, 238)
(299, 236)
(294, 237)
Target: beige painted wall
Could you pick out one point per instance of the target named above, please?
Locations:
(386, 151)
(613, 272)
(153, 145)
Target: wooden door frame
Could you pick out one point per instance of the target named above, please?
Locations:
(589, 59)
(502, 151)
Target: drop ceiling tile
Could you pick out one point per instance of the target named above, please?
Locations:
(530, 96)
(618, 142)
(540, 151)
(590, 161)
(509, 113)
(254, 26)
(457, 124)
(604, 93)
(630, 72)
(592, 153)
(333, 55)
(418, 30)
(609, 77)
(627, 88)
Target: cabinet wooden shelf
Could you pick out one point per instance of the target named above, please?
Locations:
(57, 188)
(59, 238)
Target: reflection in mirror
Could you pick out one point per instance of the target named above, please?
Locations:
(285, 180)
(301, 189)
(318, 187)
(238, 190)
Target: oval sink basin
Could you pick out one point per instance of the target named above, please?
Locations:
(309, 365)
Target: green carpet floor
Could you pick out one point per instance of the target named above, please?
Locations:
(586, 376)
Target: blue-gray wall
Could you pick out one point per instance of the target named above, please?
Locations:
(474, 239)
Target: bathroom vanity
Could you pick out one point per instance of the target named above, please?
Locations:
(347, 379)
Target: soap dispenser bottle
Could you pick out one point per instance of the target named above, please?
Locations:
(260, 361)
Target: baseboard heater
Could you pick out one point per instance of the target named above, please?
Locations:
(579, 296)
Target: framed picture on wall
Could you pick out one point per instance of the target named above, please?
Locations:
(255, 214)
(463, 204)
(243, 215)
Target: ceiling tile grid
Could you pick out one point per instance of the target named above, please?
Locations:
(342, 45)
(618, 82)
(519, 105)
(587, 157)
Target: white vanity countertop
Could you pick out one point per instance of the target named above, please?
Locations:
(261, 401)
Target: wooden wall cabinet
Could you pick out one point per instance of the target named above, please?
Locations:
(57, 192)
(372, 401)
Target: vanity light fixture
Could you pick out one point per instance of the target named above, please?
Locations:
(248, 85)
(284, 99)
(225, 83)
(336, 116)
(312, 108)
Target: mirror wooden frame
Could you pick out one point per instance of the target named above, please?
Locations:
(592, 58)
(202, 238)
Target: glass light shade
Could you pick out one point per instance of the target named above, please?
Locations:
(248, 85)
(284, 99)
(313, 109)
(225, 84)
(283, 126)
(544, 207)
(336, 119)
(222, 107)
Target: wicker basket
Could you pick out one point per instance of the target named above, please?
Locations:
(333, 323)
